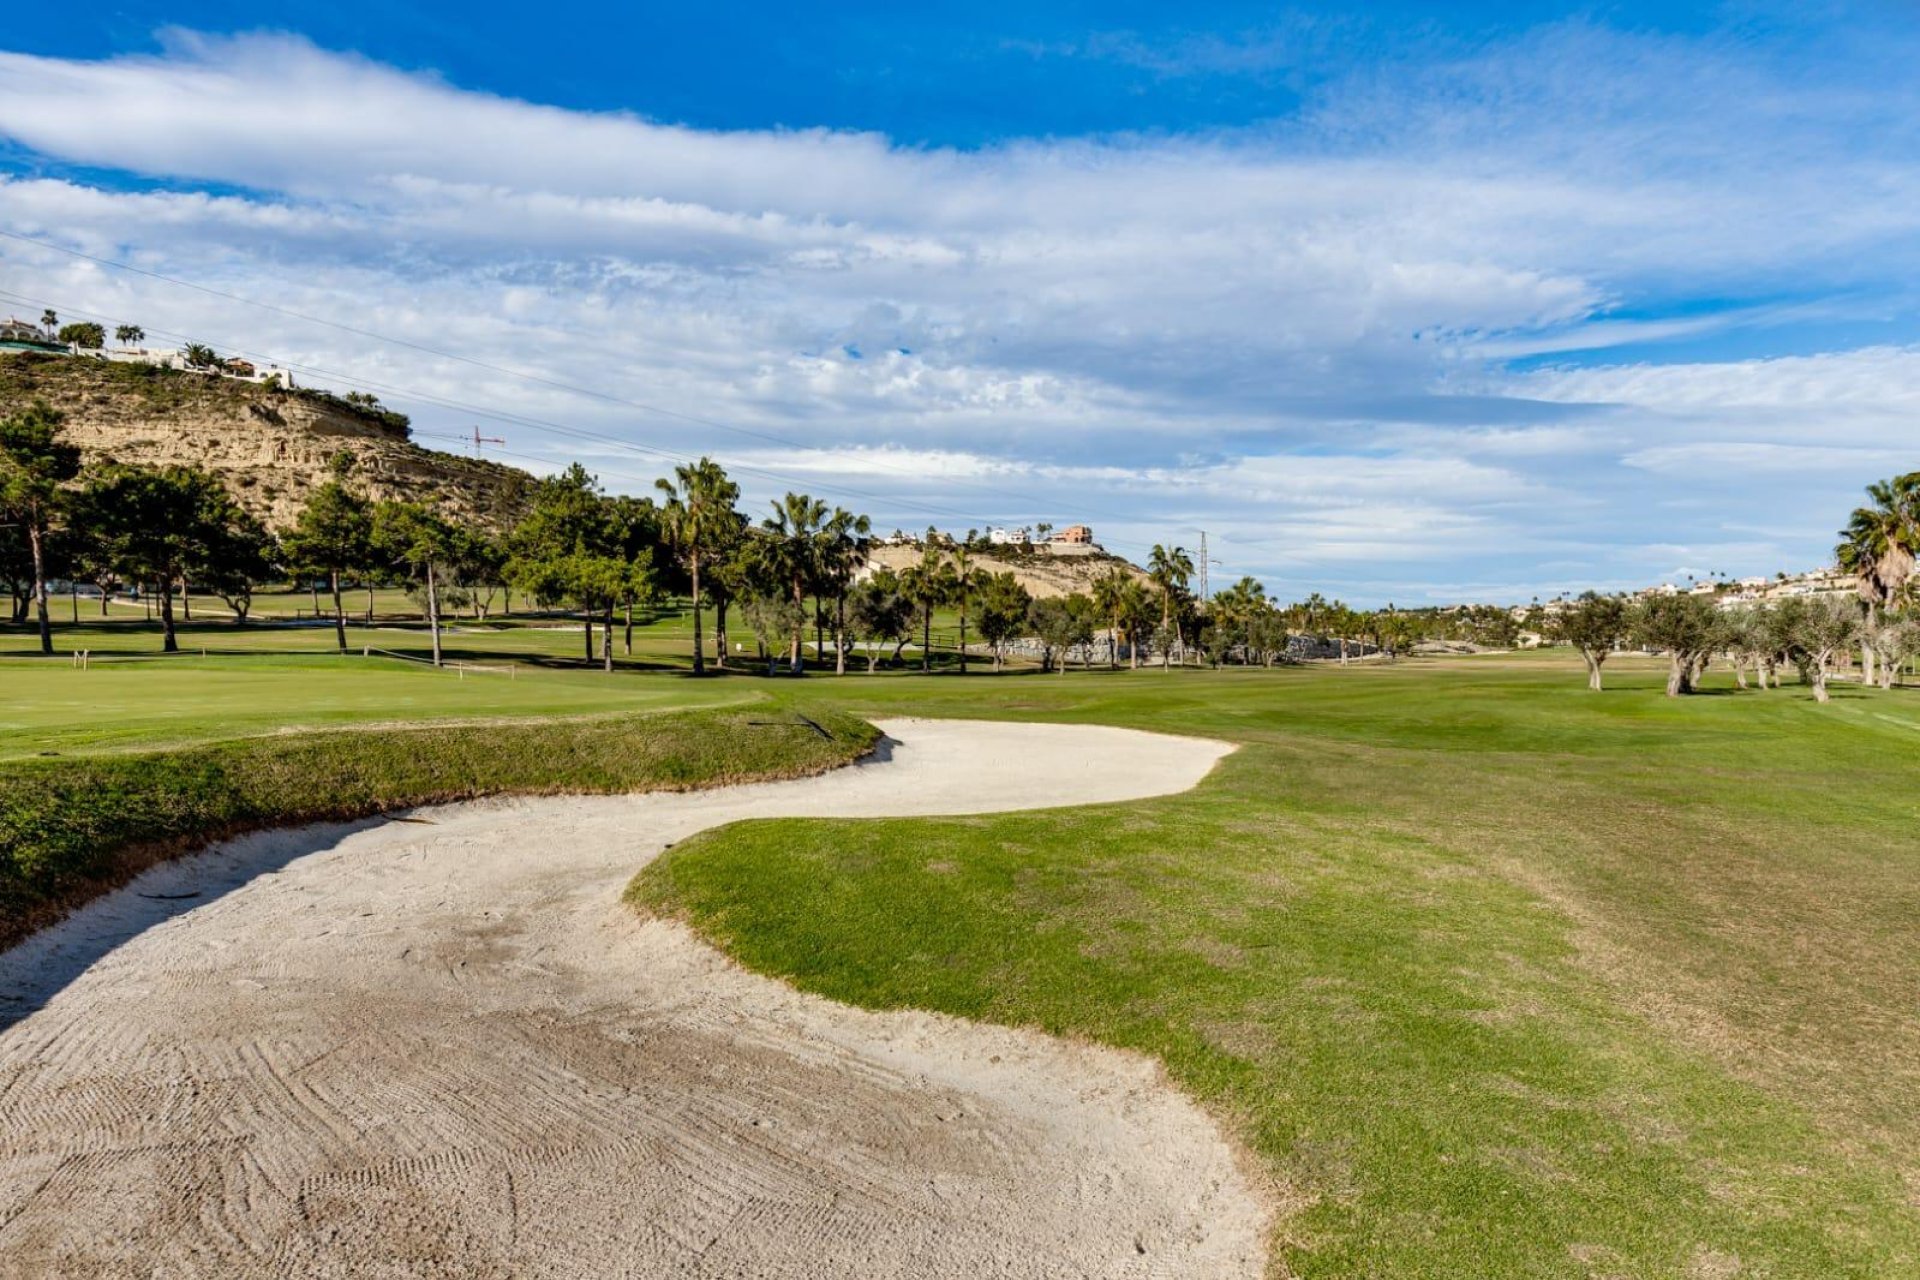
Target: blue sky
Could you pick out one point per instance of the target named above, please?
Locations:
(1407, 304)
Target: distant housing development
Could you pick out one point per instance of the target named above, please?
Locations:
(22, 335)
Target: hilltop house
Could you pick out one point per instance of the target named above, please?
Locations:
(174, 358)
(18, 335)
(1077, 535)
(1007, 537)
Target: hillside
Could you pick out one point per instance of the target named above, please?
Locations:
(270, 445)
(1045, 571)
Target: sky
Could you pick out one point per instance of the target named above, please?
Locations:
(1407, 304)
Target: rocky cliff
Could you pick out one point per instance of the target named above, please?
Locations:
(1043, 570)
(270, 445)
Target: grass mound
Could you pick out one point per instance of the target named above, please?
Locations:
(73, 827)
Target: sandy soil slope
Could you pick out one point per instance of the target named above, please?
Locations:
(440, 1046)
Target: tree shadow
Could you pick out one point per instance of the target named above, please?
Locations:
(44, 964)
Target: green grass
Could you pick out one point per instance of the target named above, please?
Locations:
(52, 707)
(1494, 977)
(71, 827)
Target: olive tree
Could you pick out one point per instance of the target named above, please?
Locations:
(1827, 627)
(1595, 625)
(1686, 628)
(1002, 614)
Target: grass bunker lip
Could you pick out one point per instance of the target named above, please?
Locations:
(75, 827)
(452, 1042)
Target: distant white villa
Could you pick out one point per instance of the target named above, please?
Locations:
(174, 358)
(22, 335)
(19, 335)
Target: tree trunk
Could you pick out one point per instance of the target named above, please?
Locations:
(339, 610)
(926, 637)
(168, 642)
(586, 631)
(626, 644)
(369, 601)
(1678, 668)
(799, 636)
(840, 634)
(186, 599)
(433, 612)
(699, 649)
(963, 637)
(40, 583)
(1866, 647)
(720, 632)
(1818, 673)
(1593, 669)
(1739, 674)
(606, 642)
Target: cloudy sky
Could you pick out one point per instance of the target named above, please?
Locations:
(1397, 307)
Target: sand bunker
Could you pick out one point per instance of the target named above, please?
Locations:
(440, 1046)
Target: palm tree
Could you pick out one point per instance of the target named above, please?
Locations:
(129, 335)
(1878, 547)
(842, 550)
(965, 578)
(1170, 571)
(1135, 613)
(1110, 598)
(699, 518)
(795, 525)
(50, 321)
(928, 584)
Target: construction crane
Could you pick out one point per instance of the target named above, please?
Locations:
(479, 440)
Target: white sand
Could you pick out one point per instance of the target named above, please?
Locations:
(442, 1047)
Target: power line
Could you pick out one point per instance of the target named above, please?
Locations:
(556, 384)
(536, 424)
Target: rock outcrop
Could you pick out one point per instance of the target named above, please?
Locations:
(1045, 571)
(270, 445)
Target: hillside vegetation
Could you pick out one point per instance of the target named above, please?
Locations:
(272, 446)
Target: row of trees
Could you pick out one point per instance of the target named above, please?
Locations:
(1811, 634)
(1878, 547)
(566, 544)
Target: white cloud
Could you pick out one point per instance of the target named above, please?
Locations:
(1296, 333)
